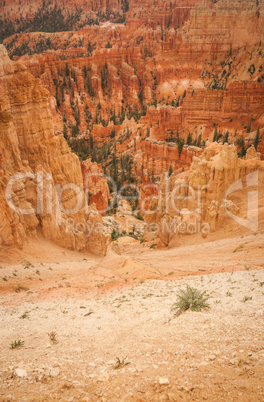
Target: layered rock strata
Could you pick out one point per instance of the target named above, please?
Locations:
(47, 196)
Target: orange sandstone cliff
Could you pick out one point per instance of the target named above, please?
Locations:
(152, 79)
(220, 190)
(37, 201)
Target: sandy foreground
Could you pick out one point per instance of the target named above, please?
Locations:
(120, 307)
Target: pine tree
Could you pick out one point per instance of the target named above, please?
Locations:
(113, 133)
(65, 132)
(67, 71)
(89, 86)
(180, 145)
(91, 141)
(199, 141)
(226, 137)
(189, 139)
(241, 144)
(256, 141)
(90, 48)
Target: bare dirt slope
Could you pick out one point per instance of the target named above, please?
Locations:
(120, 306)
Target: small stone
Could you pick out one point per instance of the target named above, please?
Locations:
(259, 313)
(216, 352)
(203, 364)
(111, 362)
(20, 372)
(211, 357)
(55, 372)
(103, 377)
(163, 381)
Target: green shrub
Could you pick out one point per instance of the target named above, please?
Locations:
(190, 299)
(17, 344)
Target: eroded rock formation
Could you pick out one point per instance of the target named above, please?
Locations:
(158, 157)
(210, 50)
(144, 78)
(48, 195)
(95, 185)
(215, 188)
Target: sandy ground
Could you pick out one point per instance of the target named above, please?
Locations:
(120, 307)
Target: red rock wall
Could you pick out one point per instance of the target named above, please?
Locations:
(159, 157)
(28, 144)
(163, 49)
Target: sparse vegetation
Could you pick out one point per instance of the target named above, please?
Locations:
(17, 344)
(20, 288)
(120, 363)
(53, 337)
(190, 299)
(246, 298)
(27, 264)
(25, 315)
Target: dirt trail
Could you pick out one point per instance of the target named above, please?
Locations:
(120, 306)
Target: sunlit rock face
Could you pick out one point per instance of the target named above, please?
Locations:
(215, 189)
(28, 145)
(194, 66)
(203, 55)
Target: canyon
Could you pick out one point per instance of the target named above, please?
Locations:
(131, 177)
(155, 87)
(135, 90)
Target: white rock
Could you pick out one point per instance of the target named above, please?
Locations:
(20, 372)
(259, 313)
(163, 381)
(54, 372)
(103, 377)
